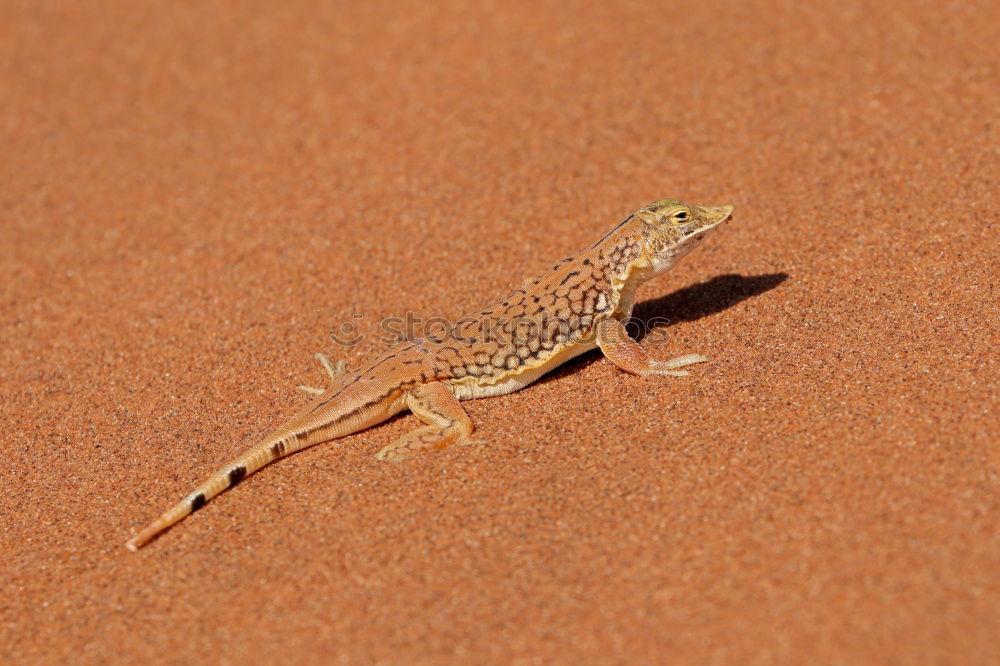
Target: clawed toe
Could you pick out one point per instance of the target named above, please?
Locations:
(681, 361)
(388, 454)
(334, 371)
(395, 454)
(670, 373)
(669, 368)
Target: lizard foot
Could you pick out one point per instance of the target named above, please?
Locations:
(669, 368)
(447, 423)
(428, 438)
(334, 372)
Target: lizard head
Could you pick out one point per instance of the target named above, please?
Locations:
(672, 229)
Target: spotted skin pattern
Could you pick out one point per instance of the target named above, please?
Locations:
(576, 306)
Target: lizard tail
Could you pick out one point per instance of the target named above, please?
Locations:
(326, 421)
(263, 454)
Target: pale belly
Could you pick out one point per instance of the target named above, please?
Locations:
(469, 388)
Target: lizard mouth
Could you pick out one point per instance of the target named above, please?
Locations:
(717, 215)
(711, 217)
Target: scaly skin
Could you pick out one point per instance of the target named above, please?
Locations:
(579, 305)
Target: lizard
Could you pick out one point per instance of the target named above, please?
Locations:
(580, 304)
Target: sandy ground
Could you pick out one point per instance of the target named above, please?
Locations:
(195, 195)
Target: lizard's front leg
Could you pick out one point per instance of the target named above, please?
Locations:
(447, 422)
(626, 353)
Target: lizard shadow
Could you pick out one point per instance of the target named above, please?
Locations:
(691, 303)
(699, 300)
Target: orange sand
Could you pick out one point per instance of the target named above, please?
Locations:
(194, 195)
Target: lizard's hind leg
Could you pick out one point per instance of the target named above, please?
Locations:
(334, 372)
(447, 423)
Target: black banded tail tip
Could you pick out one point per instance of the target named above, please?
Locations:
(236, 475)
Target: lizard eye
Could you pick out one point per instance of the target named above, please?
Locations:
(681, 215)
